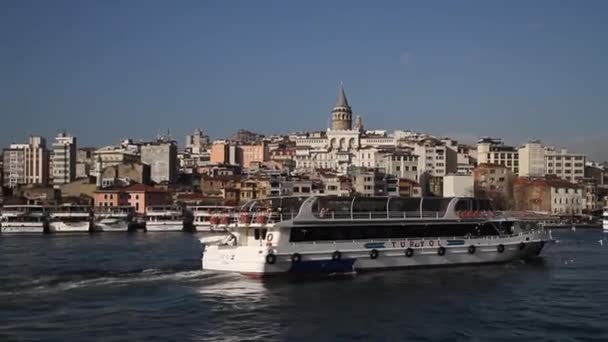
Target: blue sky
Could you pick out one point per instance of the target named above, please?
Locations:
(106, 70)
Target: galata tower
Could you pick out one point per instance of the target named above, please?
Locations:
(342, 114)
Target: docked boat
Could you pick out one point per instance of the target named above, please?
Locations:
(164, 219)
(70, 218)
(605, 220)
(207, 218)
(23, 219)
(328, 234)
(113, 219)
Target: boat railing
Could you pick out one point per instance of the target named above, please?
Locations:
(374, 215)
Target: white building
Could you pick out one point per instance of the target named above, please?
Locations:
(458, 185)
(162, 158)
(494, 151)
(565, 165)
(64, 159)
(26, 163)
(532, 159)
(433, 158)
(566, 199)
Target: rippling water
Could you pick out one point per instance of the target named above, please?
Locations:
(116, 287)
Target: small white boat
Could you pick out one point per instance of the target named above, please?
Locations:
(69, 218)
(605, 220)
(23, 219)
(206, 218)
(164, 219)
(113, 219)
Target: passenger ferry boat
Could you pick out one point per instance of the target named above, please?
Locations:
(207, 218)
(605, 220)
(326, 234)
(23, 219)
(164, 219)
(113, 219)
(70, 218)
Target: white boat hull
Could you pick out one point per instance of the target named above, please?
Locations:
(355, 257)
(23, 227)
(164, 226)
(69, 227)
(112, 225)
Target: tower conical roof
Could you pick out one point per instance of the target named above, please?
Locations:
(342, 101)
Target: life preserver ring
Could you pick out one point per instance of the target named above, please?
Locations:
(522, 246)
(409, 252)
(500, 248)
(471, 249)
(441, 251)
(269, 237)
(271, 259)
(373, 254)
(296, 258)
(336, 255)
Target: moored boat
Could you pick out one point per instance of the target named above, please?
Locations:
(164, 219)
(605, 220)
(207, 218)
(113, 219)
(70, 218)
(23, 219)
(327, 234)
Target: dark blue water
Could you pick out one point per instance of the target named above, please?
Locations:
(119, 287)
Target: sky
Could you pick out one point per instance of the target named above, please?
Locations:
(108, 70)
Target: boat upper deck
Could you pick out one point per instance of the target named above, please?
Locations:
(316, 208)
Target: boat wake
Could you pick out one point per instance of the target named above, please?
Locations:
(99, 278)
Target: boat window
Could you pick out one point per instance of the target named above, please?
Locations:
(338, 206)
(263, 234)
(256, 234)
(409, 205)
(367, 204)
(463, 204)
(391, 232)
(435, 204)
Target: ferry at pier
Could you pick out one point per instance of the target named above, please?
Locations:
(113, 219)
(605, 220)
(164, 219)
(23, 219)
(206, 218)
(70, 218)
(341, 235)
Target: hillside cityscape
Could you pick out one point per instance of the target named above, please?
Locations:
(345, 159)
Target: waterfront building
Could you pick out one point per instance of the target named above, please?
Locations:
(26, 163)
(250, 153)
(565, 165)
(114, 155)
(125, 174)
(458, 185)
(494, 151)
(14, 165)
(162, 158)
(64, 159)
(368, 182)
(494, 181)
(466, 158)
(141, 196)
(550, 195)
(532, 159)
(85, 162)
(433, 157)
(409, 188)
